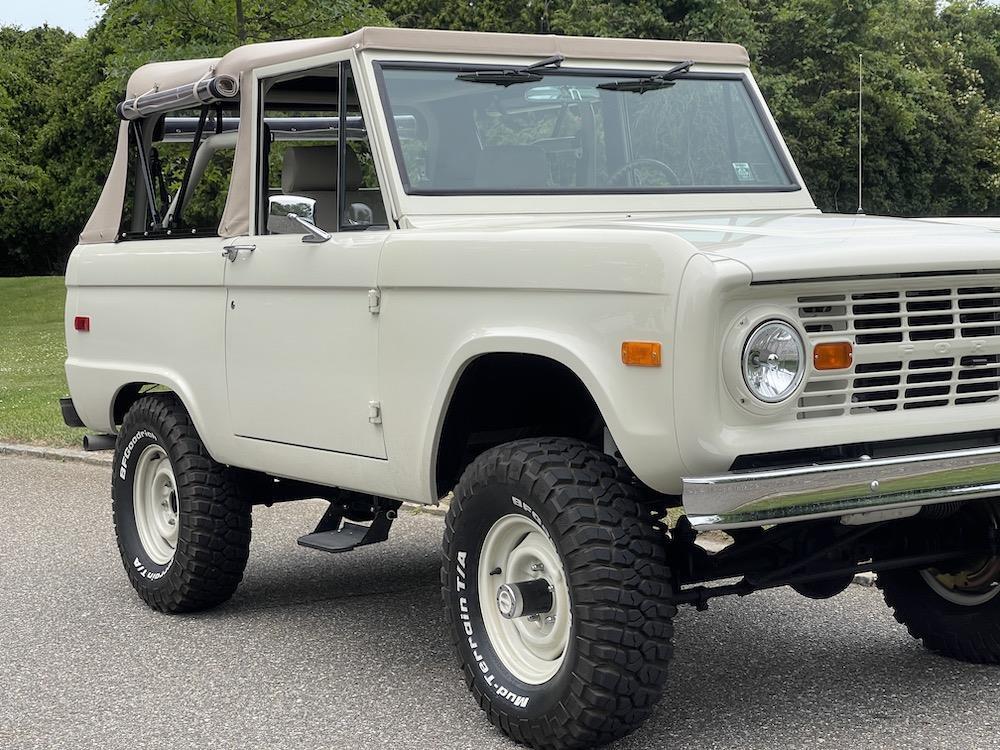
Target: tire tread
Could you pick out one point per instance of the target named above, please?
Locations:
(214, 542)
(618, 571)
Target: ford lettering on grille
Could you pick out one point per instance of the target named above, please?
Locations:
(916, 348)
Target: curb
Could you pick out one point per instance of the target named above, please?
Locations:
(103, 458)
(95, 458)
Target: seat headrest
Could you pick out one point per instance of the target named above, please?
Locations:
(512, 167)
(307, 169)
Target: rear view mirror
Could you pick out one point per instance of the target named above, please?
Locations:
(561, 94)
(282, 211)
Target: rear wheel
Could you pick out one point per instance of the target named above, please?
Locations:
(183, 528)
(954, 612)
(557, 589)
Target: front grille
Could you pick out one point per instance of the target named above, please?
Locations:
(914, 315)
(913, 349)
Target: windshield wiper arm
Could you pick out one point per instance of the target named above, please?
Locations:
(510, 76)
(650, 83)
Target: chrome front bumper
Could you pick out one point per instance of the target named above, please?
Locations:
(763, 498)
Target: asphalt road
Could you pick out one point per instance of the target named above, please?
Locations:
(328, 651)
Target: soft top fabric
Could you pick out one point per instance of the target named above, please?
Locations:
(164, 75)
(105, 221)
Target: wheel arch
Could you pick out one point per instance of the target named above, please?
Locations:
(128, 393)
(574, 405)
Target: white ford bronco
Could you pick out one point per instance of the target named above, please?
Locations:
(575, 282)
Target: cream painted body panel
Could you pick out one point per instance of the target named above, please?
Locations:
(754, 268)
(450, 296)
(282, 382)
(299, 330)
(571, 293)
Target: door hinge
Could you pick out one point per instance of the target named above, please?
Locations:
(375, 412)
(374, 301)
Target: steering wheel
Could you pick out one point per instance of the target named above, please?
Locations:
(666, 169)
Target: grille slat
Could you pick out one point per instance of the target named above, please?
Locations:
(939, 316)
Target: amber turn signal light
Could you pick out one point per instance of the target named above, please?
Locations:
(838, 355)
(642, 353)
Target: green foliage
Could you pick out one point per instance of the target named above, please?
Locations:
(932, 82)
(58, 92)
(932, 89)
(32, 353)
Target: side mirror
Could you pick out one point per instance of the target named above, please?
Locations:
(294, 214)
(360, 215)
(282, 210)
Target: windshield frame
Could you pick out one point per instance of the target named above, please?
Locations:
(765, 122)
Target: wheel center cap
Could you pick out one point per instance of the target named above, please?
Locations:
(507, 602)
(524, 599)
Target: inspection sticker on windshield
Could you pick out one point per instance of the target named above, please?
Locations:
(743, 172)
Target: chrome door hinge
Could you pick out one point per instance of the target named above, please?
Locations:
(375, 412)
(374, 301)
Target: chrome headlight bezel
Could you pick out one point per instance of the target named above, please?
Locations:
(799, 349)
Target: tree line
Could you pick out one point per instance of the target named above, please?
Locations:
(931, 112)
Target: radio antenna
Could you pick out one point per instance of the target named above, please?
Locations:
(860, 82)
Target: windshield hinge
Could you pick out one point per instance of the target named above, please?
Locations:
(374, 301)
(375, 412)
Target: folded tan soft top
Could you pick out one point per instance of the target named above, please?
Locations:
(106, 219)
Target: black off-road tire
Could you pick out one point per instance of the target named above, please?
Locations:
(213, 519)
(613, 551)
(965, 633)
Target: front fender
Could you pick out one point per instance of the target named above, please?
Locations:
(635, 403)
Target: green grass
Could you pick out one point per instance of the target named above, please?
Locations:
(32, 351)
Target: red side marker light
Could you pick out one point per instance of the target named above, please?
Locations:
(81, 323)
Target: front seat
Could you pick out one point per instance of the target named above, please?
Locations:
(311, 171)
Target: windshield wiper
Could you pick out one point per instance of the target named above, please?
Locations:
(510, 76)
(650, 83)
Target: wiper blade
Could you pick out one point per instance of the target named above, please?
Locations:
(510, 76)
(650, 83)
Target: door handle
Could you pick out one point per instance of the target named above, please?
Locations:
(232, 252)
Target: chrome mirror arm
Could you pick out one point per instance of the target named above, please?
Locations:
(314, 234)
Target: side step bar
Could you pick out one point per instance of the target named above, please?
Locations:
(334, 534)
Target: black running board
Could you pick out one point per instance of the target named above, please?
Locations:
(333, 534)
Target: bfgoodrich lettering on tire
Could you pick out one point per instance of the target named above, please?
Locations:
(558, 593)
(183, 529)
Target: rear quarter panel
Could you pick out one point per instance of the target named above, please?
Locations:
(157, 312)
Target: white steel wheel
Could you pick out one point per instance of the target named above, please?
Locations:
(969, 588)
(154, 497)
(516, 550)
(977, 585)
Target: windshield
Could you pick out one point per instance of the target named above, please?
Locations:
(577, 132)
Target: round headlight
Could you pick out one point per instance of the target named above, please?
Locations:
(773, 361)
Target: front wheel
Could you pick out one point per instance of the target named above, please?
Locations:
(558, 593)
(954, 612)
(183, 528)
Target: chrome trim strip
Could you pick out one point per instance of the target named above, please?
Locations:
(760, 498)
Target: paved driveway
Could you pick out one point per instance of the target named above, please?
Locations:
(349, 651)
